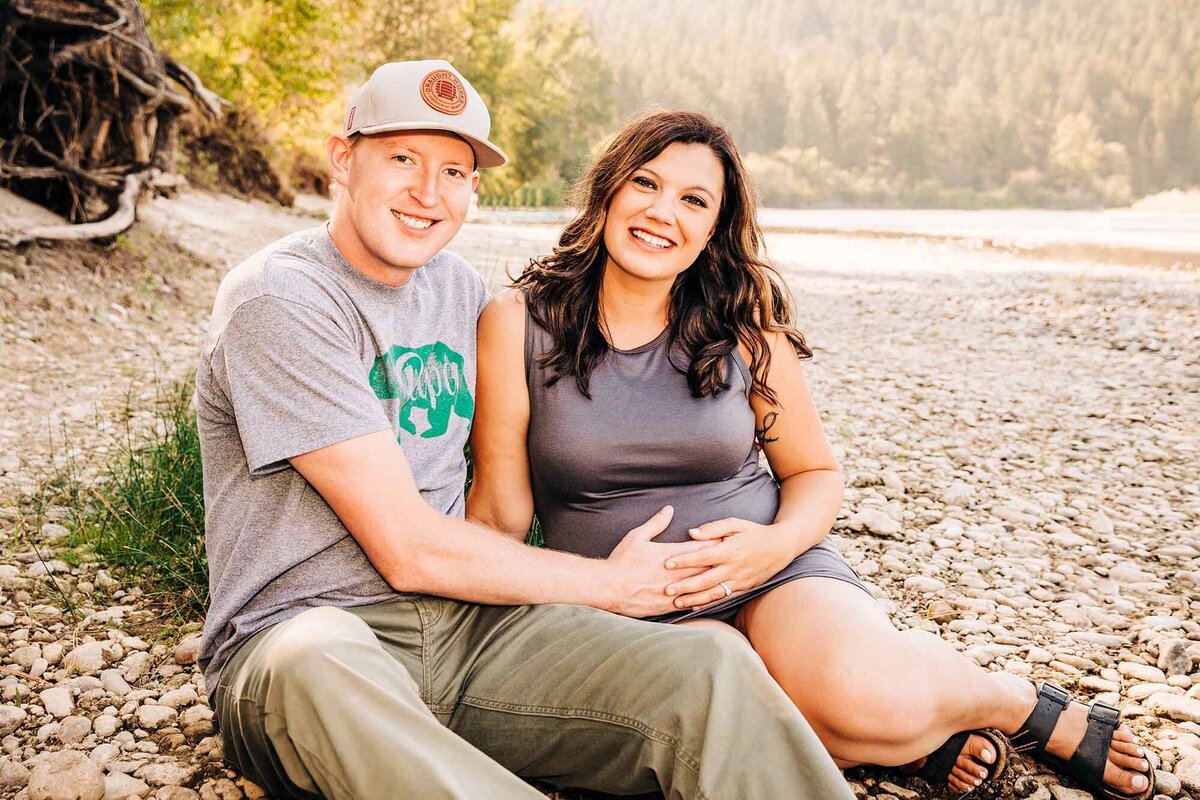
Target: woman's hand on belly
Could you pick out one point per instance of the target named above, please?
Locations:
(741, 554)
(640, 574)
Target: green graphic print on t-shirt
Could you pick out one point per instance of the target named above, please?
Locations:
(430, 381)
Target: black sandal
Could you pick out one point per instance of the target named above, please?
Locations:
(939, 763)
(1086, 765)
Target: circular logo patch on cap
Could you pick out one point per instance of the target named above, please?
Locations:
(444, 92)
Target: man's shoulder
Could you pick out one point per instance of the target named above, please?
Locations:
(290, 269)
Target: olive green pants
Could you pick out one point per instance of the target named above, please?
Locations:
(433, 698)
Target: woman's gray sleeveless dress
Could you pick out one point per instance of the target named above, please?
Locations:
(604, 465)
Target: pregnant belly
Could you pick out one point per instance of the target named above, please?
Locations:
(594, 524)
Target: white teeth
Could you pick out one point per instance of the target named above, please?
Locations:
(414, 222)
(657, 241)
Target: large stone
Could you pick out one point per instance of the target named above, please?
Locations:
(1174, 659)
(153, 717)
(1185, 709)
(104, 753)
(176, 793)
(134, 666)
(86, 659)
(24, 657)
(1167, 783)
(1015, 516)
(115, 683)
(183, 696)
(923, 584)
(188, 650)
(11, 718)
(118, 786)
(105, 726)
(13, 776)
(1141, 672)
(1065, 793)
(874, 521)
(167, 774)
(74, 729)
(1188, 772)
(220, 789)
(57, 701)
(1140, 691)
(66, 775)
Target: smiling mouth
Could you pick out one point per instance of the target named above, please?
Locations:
(414, 223)
(650, 239)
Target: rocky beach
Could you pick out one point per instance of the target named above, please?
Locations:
(1021, 441)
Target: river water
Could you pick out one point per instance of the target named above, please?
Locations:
(1018, 228)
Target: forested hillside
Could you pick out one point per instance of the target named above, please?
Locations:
(835, 102)
(996, 102)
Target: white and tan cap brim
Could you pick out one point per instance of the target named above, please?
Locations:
(423, 96)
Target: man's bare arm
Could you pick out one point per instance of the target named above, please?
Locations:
(368, 484)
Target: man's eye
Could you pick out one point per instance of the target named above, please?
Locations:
(644, 182)
(696, 201)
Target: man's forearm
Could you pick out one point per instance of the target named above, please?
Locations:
(466, 561)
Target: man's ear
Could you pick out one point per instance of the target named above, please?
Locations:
(340, 151)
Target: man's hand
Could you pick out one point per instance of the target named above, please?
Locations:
(640, 575)
(740, 553)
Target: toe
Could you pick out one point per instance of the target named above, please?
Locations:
(976, 757)
(1123, 761)
(963, 781)
(1123, 734)
(1127, 781)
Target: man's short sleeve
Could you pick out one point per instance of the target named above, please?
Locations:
(295, 381)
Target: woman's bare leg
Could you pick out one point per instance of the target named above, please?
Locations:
(876, 695)
(715, 625)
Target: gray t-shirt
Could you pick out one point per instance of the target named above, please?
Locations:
(305, 351)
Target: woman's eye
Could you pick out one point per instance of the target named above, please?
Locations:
(696, 201)
(454, 173)
(644, 182)
(402, 159)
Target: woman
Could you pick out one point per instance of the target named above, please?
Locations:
(637, 366)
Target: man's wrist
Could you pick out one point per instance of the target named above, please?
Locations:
(601, 588)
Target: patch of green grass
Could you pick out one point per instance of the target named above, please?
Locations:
(146, 513)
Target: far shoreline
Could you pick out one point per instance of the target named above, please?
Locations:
(1125, 236)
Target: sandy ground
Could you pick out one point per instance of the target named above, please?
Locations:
(1021, 440)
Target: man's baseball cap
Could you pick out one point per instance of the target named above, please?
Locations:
(423, 96)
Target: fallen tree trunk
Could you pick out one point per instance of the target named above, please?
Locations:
(88, 107)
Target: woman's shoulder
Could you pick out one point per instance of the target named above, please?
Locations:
(504, 315)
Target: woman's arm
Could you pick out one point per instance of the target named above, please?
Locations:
(810, 487)
(501, 496)
(810, 479)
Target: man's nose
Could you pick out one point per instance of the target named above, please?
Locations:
(425, 191)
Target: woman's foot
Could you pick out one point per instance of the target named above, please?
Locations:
(972, 767)
(1126, 769)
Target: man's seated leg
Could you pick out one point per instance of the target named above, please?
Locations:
(580, 697)
(315, 706)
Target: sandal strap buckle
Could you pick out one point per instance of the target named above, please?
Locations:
(1055, 694)
(1104, 713)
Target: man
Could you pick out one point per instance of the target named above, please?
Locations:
(335, 396)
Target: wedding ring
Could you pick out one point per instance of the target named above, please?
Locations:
(725, 586)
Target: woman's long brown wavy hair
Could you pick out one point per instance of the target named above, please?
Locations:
(730, 294)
